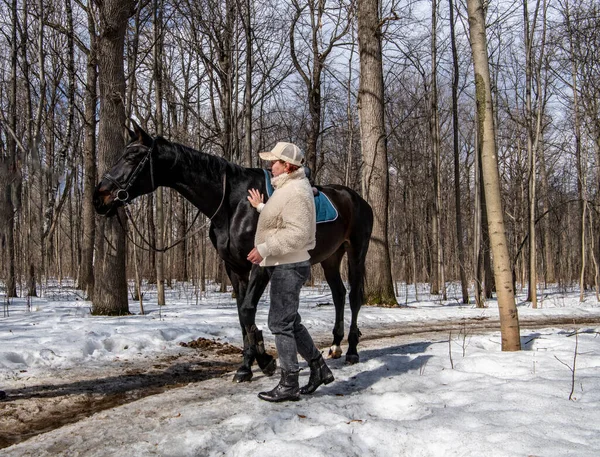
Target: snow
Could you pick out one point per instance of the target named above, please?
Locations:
(430, 394)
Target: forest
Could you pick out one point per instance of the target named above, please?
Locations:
(233, 77)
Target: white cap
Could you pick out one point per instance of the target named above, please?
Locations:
(287, 152)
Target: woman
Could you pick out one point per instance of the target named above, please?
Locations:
(284, 235)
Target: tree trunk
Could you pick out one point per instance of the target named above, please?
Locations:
(578, 133)
(12, 184)
(203, 262)
(549, 271)
(311, 68)
(489, 284)
(379, 288)
(455, 137)
(150, 272)
(31, 159)
(110, 288)
(477, 228)
(509, 320)
(226, 76)
(350, 117)
(181, 267)
(437, 283)
(86, 276)
(248, 89)
(158, 86)
(531, 152)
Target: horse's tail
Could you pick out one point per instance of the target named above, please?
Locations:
(361, 236)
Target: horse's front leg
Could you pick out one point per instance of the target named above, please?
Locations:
(254, 346)
(240, 286)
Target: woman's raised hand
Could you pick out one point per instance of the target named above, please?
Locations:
(255, 198)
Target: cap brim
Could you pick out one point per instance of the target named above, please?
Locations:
(268, 156)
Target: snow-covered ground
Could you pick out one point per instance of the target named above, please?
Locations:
(442, 395)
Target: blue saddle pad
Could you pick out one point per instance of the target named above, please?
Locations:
(326, 212)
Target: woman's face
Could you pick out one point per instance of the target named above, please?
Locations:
(278, 167)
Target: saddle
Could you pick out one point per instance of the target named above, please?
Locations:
(325, 210)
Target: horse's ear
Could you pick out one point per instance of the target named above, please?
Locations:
(139, 135)
(132, 135)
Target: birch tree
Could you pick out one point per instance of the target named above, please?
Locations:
(509, 320)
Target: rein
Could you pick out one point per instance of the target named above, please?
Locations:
(186, 235)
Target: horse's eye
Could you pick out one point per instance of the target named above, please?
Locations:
(132, 158)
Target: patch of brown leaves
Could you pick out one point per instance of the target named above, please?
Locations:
(212, 345)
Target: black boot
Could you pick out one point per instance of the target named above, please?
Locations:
(2, 395)
(319, 374)
(288, 388)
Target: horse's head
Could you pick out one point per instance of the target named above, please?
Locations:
(130, 177)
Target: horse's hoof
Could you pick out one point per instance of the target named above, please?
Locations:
(243, 375)
(351, 359)
(335, 352)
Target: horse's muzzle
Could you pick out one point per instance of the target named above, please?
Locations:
(104, 202)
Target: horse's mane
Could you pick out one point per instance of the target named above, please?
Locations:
(210, 164)
(193, 158)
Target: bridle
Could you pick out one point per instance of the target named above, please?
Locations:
(121, 193)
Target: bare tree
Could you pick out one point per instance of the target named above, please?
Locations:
(12, 174)
(379, 287)
(110, 288)
(311, 63)
(534, 127)
(86, 274)
(158, 88)
(246, 13)
(455, 144)
(578, 134)
(509, 321)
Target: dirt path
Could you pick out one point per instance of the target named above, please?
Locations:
(71, 395)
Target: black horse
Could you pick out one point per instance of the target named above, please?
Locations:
(219, 189)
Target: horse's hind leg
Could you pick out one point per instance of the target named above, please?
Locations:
(356, 277)
(331, 268)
